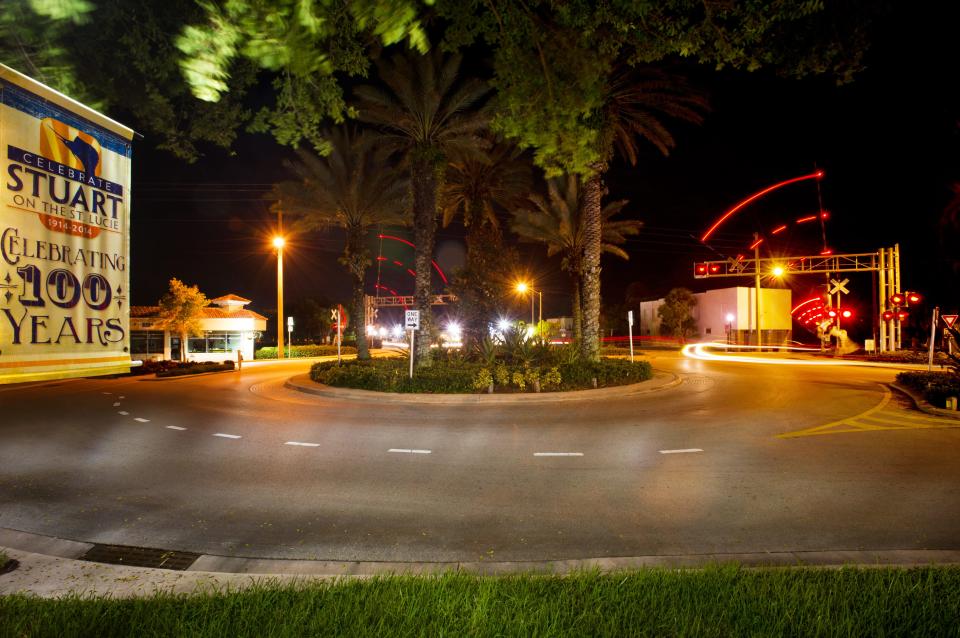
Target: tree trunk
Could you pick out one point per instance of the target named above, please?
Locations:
(183, 347)
(592, 231)
(477, 303)
(577, 311)
(423, 178)
(356, 263)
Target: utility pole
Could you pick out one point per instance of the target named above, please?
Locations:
(756, 255)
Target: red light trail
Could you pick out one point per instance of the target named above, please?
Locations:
(757, 195)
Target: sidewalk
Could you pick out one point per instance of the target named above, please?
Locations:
(54, 571)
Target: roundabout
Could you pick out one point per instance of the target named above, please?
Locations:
(243, 466)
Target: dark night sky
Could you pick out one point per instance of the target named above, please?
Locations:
(888, 143)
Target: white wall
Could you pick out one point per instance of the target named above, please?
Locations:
(713, 306)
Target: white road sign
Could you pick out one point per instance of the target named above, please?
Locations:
(412, 319)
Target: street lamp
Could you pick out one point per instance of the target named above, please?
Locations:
(778, 271)
(523, 288)
(278, 243)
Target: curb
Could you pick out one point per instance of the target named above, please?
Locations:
(663, 381)
(923, 405)
(210, 564)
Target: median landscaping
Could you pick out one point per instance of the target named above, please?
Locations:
(467, 377)
(717, 601)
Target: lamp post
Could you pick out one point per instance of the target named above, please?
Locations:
(278, 243)
(524, 288)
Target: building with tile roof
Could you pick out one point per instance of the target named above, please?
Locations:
(228, 326)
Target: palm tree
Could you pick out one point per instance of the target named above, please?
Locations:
(430, 117)
(558, 221)
(634, 107)
(477, 189)
(353, 188)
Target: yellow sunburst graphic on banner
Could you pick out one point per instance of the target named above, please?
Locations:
(70, 146)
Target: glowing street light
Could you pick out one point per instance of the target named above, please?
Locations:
(523, 288)
(778, 271)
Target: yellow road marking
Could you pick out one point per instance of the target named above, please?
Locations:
(876, 419)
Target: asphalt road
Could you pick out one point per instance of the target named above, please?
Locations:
(236, 464)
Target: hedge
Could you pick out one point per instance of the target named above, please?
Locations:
(462, 377)
(196, 368)
(936, 387)
(304, 351)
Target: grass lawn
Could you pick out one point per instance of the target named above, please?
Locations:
(720, 601)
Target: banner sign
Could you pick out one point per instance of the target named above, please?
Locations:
(64, 236)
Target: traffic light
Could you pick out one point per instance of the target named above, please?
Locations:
(888, 315)
(897, 299)
(846, 314)
(902, 315)
(832, 313)
(913, 298)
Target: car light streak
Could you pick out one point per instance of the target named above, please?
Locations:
(702, 352)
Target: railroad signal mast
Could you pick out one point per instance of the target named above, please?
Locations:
(885, 262)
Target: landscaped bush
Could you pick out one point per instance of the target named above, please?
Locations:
(936, 387)
(304, 351)
(453, 376)
(196, 368)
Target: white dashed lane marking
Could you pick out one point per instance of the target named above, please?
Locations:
(558, 453)
(175, 427)
(228, 436)
(684, 451)
(117, 404)
(400, 450)
(302, 444)
(123, 413)
(141, 420)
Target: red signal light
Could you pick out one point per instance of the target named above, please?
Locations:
(832, 313)
(902, 315)
(846, 314)
(913, 298)
(896, 299)
(714, 269)
(888, 315)
(701, 269)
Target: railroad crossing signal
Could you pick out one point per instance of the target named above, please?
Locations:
(839, 286)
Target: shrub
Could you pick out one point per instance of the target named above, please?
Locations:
(936, 387)
(483, 380)
(197, 368)
(552, 379)
(501, 374)
(607, 372)
(325, 350)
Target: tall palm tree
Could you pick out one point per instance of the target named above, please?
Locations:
(478, 189)
(430, 117)
(636, 103)
(558, 220)
(353, 188)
